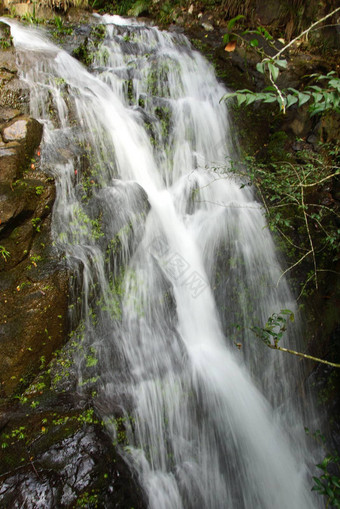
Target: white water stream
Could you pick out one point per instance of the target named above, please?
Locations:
(175, 264)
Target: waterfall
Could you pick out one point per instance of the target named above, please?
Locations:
(173, 263)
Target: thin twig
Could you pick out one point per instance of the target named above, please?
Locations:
(292, 266)
(309, 236)
(307, 226)
(304, 32)
(288, 240)
(320, 181)
(320, 206)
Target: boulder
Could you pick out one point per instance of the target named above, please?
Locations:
(21, 137)
(63, 458)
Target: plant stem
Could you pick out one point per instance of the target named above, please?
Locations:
(304, 355)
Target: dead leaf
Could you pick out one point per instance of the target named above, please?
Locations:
(230, 46)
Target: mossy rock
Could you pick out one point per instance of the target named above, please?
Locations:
(63, 457)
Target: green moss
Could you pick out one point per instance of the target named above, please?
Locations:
(277, 147)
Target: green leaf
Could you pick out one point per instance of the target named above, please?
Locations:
(91, 361)
(316, 110)
(260, 67)
(250, 98)
(335, 83)
(138, 7)
(227, 96)
(318, 482)
(323, 465)
(265, 33)
(273, 70)
(226, 38)
(271, 98)
(254, 43)
(241, 98)
(282, 63)
(317, 97)
(336, 481)
(329, 492)
(233, 21)
(291, 99)
(303, 98)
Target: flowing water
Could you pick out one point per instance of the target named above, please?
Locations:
(173, 262)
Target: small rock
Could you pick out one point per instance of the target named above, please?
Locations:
(312, 139)
(16, 131)
(22, 138)
(208, 27)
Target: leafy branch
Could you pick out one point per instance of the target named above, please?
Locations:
(328, 484)
(274, 330)
(320, 99)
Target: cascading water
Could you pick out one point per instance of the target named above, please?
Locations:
(173, 258)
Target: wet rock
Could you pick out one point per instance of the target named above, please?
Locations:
(8, 62)
(34, 285)
(62, 459)
(14, 95)
(10, 162)
(24, 198)
(23, 135)
(300, 125)
(13, 92)
(16, 131)
(33, 282)
(34, 317)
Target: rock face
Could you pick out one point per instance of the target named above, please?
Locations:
(33, 285)
(33, 298)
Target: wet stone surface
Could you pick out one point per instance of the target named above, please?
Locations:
(61, 461)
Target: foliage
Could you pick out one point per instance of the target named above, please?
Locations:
(127, 7)
(87, 49)
(275, 327)
(293, 193)
(36, 223)
(321, 98)
(31, 18)
(229, 35)
(5, 37)
(4, 253)
(273, 331)
(60, 28)
(139, 7)
(328, 483)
